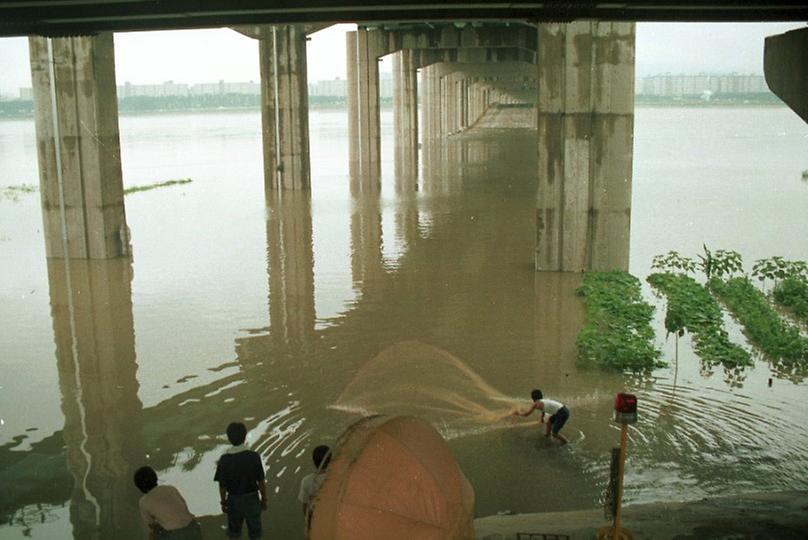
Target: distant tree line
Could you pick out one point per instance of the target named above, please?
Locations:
(23, 108)
(761, 98)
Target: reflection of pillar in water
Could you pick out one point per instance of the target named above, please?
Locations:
(93, 326)
(559, 318)
(407, 221)
(366, 238)
(291, 268)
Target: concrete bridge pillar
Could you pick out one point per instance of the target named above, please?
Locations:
(432, 103)
(363, 105)
(585, 134)
(78, 146)
(284, 107)
(405, 109)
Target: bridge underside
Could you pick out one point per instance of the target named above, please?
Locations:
(59, 18)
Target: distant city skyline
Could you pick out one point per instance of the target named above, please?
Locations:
(202, 56)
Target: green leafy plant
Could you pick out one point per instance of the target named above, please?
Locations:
(13, 192)
(778, 268)
(672, 261)
(617, 334)
(780, 341)
(792, 293)
(692, 309)
(725, 263)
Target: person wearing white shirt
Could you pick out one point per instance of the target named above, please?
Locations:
(311, 482)
(559, 414)
(163, 509)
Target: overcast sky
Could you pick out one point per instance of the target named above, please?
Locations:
(193, 56)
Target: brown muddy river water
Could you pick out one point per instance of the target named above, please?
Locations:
(297, 316)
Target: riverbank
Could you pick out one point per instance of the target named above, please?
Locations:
(778, 515)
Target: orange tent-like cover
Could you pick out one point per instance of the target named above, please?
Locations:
(393, 478)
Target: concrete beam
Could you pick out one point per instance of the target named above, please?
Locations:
(516, 35)
(585, 133)
(78, 147)
(785, 64)
(284, 107)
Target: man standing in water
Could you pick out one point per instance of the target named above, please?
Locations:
(558, 412)
(240, 474)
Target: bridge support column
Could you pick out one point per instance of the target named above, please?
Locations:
(78, 146)
(785, 63)
(585, 134)
(284, 107)
(405, 113)
(363, 106)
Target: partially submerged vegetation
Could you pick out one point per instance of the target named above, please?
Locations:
(148, 187)
(692, 309)
(792, 293)
(13, 192)
(779, 340)
(617, 334)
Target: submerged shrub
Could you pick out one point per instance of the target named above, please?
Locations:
(793, 294)
(692, 309)
(617, 334)
(780, 341)
(156, 185)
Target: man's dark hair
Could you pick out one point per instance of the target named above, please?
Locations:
(236, 433)
(536, 395)
(145, 479)
(321, 455)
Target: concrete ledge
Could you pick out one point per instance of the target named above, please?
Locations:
(778, 515)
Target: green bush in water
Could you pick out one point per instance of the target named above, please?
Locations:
(793, 294)
(692, 309)
(779, 340)
(617, 334)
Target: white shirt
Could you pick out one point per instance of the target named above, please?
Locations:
(550, 406)
(309, 486)
(165, 506)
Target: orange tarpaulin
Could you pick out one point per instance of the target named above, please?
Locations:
(393, 478)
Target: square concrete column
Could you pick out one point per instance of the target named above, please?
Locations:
(405, 113)
(78, 146)
(426, 103)
(284, 107)
(585, 137)
(363, 48)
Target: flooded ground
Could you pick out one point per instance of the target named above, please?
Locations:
(297, 315)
